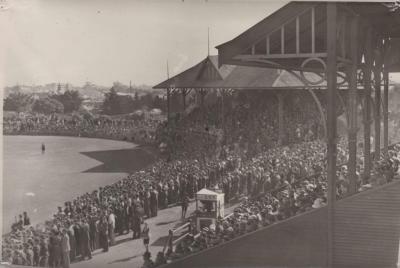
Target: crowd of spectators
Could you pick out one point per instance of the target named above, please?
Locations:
(278, 203)
(139, 129)
(274, 183)
(248, 119)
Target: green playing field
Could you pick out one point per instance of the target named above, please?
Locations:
(38, 182)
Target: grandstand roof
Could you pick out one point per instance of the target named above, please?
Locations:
(297, 31)
(207, 74)
(236, 77)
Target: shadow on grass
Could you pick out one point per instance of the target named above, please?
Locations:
(164, 223)
(160, 242)
(126, 259)
(126, 239)
(124, 160)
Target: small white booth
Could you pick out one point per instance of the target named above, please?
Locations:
(209, 207)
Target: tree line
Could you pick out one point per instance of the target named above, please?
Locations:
(71, 101)
(66, 102)
(115, 103)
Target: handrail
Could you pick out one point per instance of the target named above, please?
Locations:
(174, 230)
(227, 216)
(170, 242)
(180, 238)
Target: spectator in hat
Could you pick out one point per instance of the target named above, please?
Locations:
(184, 205)
(153, 202)
(43, 253)
(65, 248)
(85, 239)
(111, 227)
(29, 254)
(146, 236)
(36, 252)
(103, 233)
(72, 241)
(148, 263)
(55, 249)
(93, 232)
(136, 225)
(27, 221)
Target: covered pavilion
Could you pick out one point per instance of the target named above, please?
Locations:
(355, 42)
(347, 46)
(208, 75)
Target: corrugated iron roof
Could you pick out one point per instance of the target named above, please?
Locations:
(230, 77)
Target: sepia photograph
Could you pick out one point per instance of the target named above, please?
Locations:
(200, 134)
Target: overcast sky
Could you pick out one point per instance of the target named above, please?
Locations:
(102, 41)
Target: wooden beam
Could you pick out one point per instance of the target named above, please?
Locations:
(331, 74)
(281, 56)
(283, 39)
(281, 123)
(367, 106)
(377, 77)
(313, 30)
(168, 104)
(184, 93)
(386, 112)
(343, 30)
(297, 35)
(352, 107)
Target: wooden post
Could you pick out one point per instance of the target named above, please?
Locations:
(377, 76)
(184, 93)
(168, 104)
(386, 112)
(281, 123)
(352, 107)
(367, 106)
(202, 95)
(223, 110)
(331, 76)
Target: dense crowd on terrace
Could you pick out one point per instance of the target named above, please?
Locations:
(139, 129)
(248, 120)
(281, 202)
(274, 183)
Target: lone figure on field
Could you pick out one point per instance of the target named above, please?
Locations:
(43, 148)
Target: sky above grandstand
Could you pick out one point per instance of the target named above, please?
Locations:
(102, 41)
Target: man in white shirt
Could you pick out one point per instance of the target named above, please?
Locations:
(111, 227)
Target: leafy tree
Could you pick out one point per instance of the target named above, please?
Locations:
(71, 100)
(110, 103)
(47, 105)
(117, 104)
(147, 100)
(17, 102)
(158, 103)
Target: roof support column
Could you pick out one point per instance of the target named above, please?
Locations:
(331, 77)
(168, 104)
(184, 93)
(223, 93)
(367, 106)
(281, 123)
(386, 112)
(352, 108)
(377, 76)
(203, 93)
